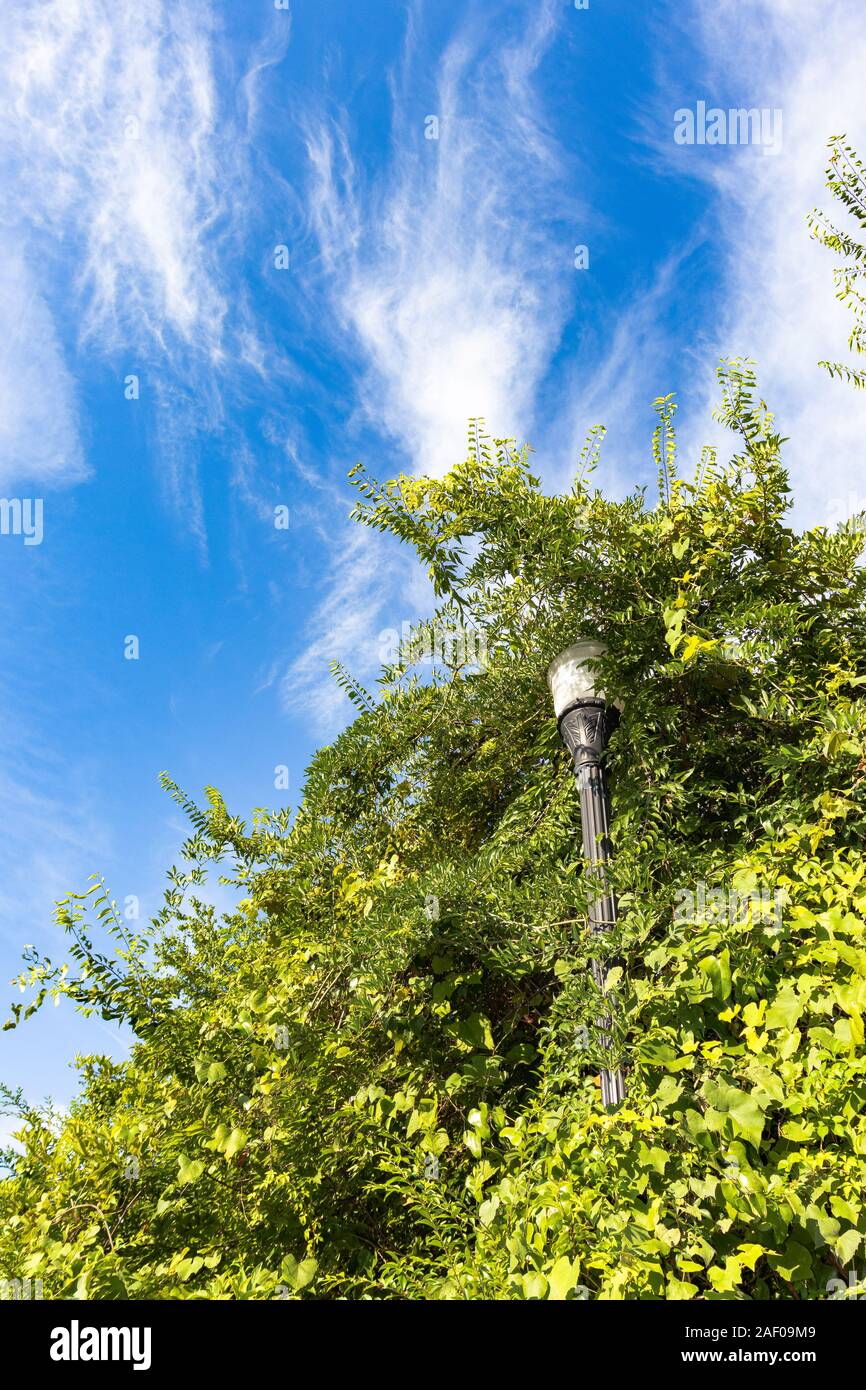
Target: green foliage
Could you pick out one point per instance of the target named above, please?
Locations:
(846, 179)
(376, 1077)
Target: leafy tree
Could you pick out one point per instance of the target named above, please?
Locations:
(846, 179)
(376, 1077)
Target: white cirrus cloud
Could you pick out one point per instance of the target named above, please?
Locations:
(38, 409)
(121, 182)
(450, 290)
(777, 303)
(110, 124)
(450, 283)
(368, 590)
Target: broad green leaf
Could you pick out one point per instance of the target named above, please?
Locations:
(718, 971)
(488, 1209)
(785, 1010)
(563, 1278)
(847, 1245)
(680, 1290)
(793, 1264)
(190, 1170)
(475, 1032)
(236, 1141)
(742, 1110)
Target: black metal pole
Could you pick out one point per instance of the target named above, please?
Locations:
(584, 728)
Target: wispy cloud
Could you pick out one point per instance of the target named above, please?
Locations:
(110, 127)
(124, 181)
(38, 409)
(778, 303)
(54, 839)
(450, 290)
(441, 267)
(368, 588)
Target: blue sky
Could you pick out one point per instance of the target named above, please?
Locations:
(154, 159)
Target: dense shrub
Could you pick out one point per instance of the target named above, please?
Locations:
(377, 1077)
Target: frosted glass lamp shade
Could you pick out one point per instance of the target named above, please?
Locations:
(570, 676)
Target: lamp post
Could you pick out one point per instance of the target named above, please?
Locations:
(585, 721)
